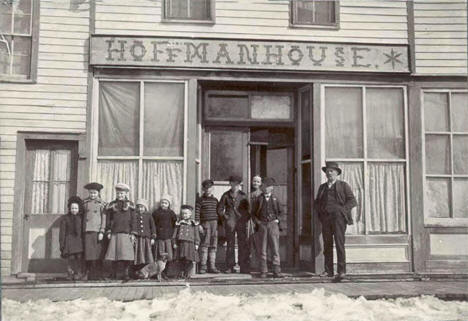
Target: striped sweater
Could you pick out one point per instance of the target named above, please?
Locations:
(205, 209)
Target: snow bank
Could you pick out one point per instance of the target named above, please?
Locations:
(194, 306)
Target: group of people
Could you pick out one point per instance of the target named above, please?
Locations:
(139, 243)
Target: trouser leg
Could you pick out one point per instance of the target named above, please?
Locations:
(273, 241)
(203, 259)
(263, 240)
(242, 245)
(327, 234)
(339, 236)
(230, 228)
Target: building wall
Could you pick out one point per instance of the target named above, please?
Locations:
(440, 36)
(364, 21)
(57, 102)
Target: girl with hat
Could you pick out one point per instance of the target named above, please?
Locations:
(165, 220)
(94, 225)
(71, 239)
(146, 235)
(121, 230)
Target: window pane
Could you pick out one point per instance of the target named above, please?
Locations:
(304, 12)
(385, 123)
(40, 181)
(119, 119)
(460, 154)
(353, 175)
(306, 123)
(200, 9)
(109, 173)
(460, 198)
(60, 181)
(437, 197)
(163, 178)
(271, 107)
(387, 202)
(306, 199)
(343, 117)
(22, 56)
(5, 55)
(164, 119)
(223, 106)
(177, 9)
(226, 154)
(324, 12)
(5, 17)
(23, 17)
(436, 112)
(438, 154)
(459, 110)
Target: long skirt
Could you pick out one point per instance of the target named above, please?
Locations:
(120, 248)
(163, 246)
(143, 251)
(186, 250)
(94, 249)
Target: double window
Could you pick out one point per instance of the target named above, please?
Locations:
(17, 34)
(140, 127)
(188, 10)
(445, 116)
(366, 133)
(318, 13)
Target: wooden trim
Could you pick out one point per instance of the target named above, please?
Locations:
(35, 40)
(318, 152)
(191, 141)
(411, 36)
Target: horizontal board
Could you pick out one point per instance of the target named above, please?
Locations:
(61, 49)
(64, 27)
(6, 221)
(60, 41)
(437, 70)
(436, 14)
(441, 48)
(55, 12)
(43, 102)
(7, 175)
(432, 27)
(44, 95)
(7, 191)
(46, 117)
(6, 182)
(5, 246)
(6, 167)
(133, 10)
(443, 41)
(437, 55)
(67, 65)
(68, 21)
(441, 62)
(65, 5)
(377, 11)
(133, 3)
(51, 33)
(7, 152)
(59, 72)
(41, 110)
(420, 6)
(33, 125)
(6, 255)
(441, 20)
(6, 144)
(64, 80)
(44, 88)
(63, 56)
(440, 34)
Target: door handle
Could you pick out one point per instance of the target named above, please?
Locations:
(26, 217)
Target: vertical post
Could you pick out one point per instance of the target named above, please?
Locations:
(191, 142)
(318, 115)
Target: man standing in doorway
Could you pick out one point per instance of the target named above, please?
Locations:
(334, 203)
(233, 209)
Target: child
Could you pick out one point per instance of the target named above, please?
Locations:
(121, 231)
(252, 237)
(146, 234)
(165, 220)
(94, 224)
(187, 240)
(205, 213)
(233, 208)
(71, 239)
(266, 213)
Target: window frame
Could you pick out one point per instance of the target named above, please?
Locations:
(34, 35)
(365, 160)
(441, 221)
(140, 158)
(333, 26)
(166, 19)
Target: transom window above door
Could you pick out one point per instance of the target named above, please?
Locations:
(314, 13)
(201, 11)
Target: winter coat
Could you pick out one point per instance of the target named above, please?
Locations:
(187, 230)
(145, 225)
(344, 196)
(165, 221)
(121, 219)
(94, 215)
(230, 207)
(70, 235)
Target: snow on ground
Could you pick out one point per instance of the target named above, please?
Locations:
(195, 306)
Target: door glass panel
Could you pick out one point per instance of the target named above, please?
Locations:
(164, 119)
(460, 198)
(228, 107)
(40, 181)
(60, 181)
(270, 107)
(437, 154)
(459, 110)
(437, 197)
(436, 112)
(306, 199)
(306, 110)
(343, 122)
(460, 154)
(226, 154)
(277, 167)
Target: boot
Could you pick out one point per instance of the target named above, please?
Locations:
(125, 270)
(277, 272)
(212, 268)
(188, 269)
(203, 259)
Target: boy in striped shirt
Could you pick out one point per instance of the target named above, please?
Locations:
(206, 214)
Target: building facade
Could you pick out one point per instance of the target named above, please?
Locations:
(163, 94)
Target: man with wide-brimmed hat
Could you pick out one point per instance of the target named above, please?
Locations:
(333, 204)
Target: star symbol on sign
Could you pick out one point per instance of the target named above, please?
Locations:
(393, 58)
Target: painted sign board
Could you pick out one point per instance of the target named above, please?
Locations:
(247, 54)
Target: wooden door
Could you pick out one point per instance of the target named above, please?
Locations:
(51, 170)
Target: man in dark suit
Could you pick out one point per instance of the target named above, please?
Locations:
(333, 204)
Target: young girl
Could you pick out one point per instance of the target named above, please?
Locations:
(146, 234)
(187, 240)
(70, 238)
(165, 220)
(94, 224)
(121, 229)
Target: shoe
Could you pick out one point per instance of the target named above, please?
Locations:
(263, 275)
(244, 271)
(339, 277)
(213, 270)
(229, 271)
(202, 270)
(278, 275)
(325, 274)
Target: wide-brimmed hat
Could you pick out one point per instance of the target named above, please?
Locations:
(269, 181)
(207, 183)
(122, 187)
(333, 165)
(235, 179)
(143, 202)
(95, 186)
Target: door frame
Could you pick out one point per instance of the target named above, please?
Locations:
(18, 237)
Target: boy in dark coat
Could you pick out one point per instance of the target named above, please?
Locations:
(266, 213)
(71, 238)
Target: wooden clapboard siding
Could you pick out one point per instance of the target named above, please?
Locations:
(56, 102)
(440, 36)
(374, 21)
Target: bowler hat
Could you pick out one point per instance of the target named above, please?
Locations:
(122, 187)
(269, 181)
(95, 186)
(207, 183)
(333, 165)
(235, 179)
